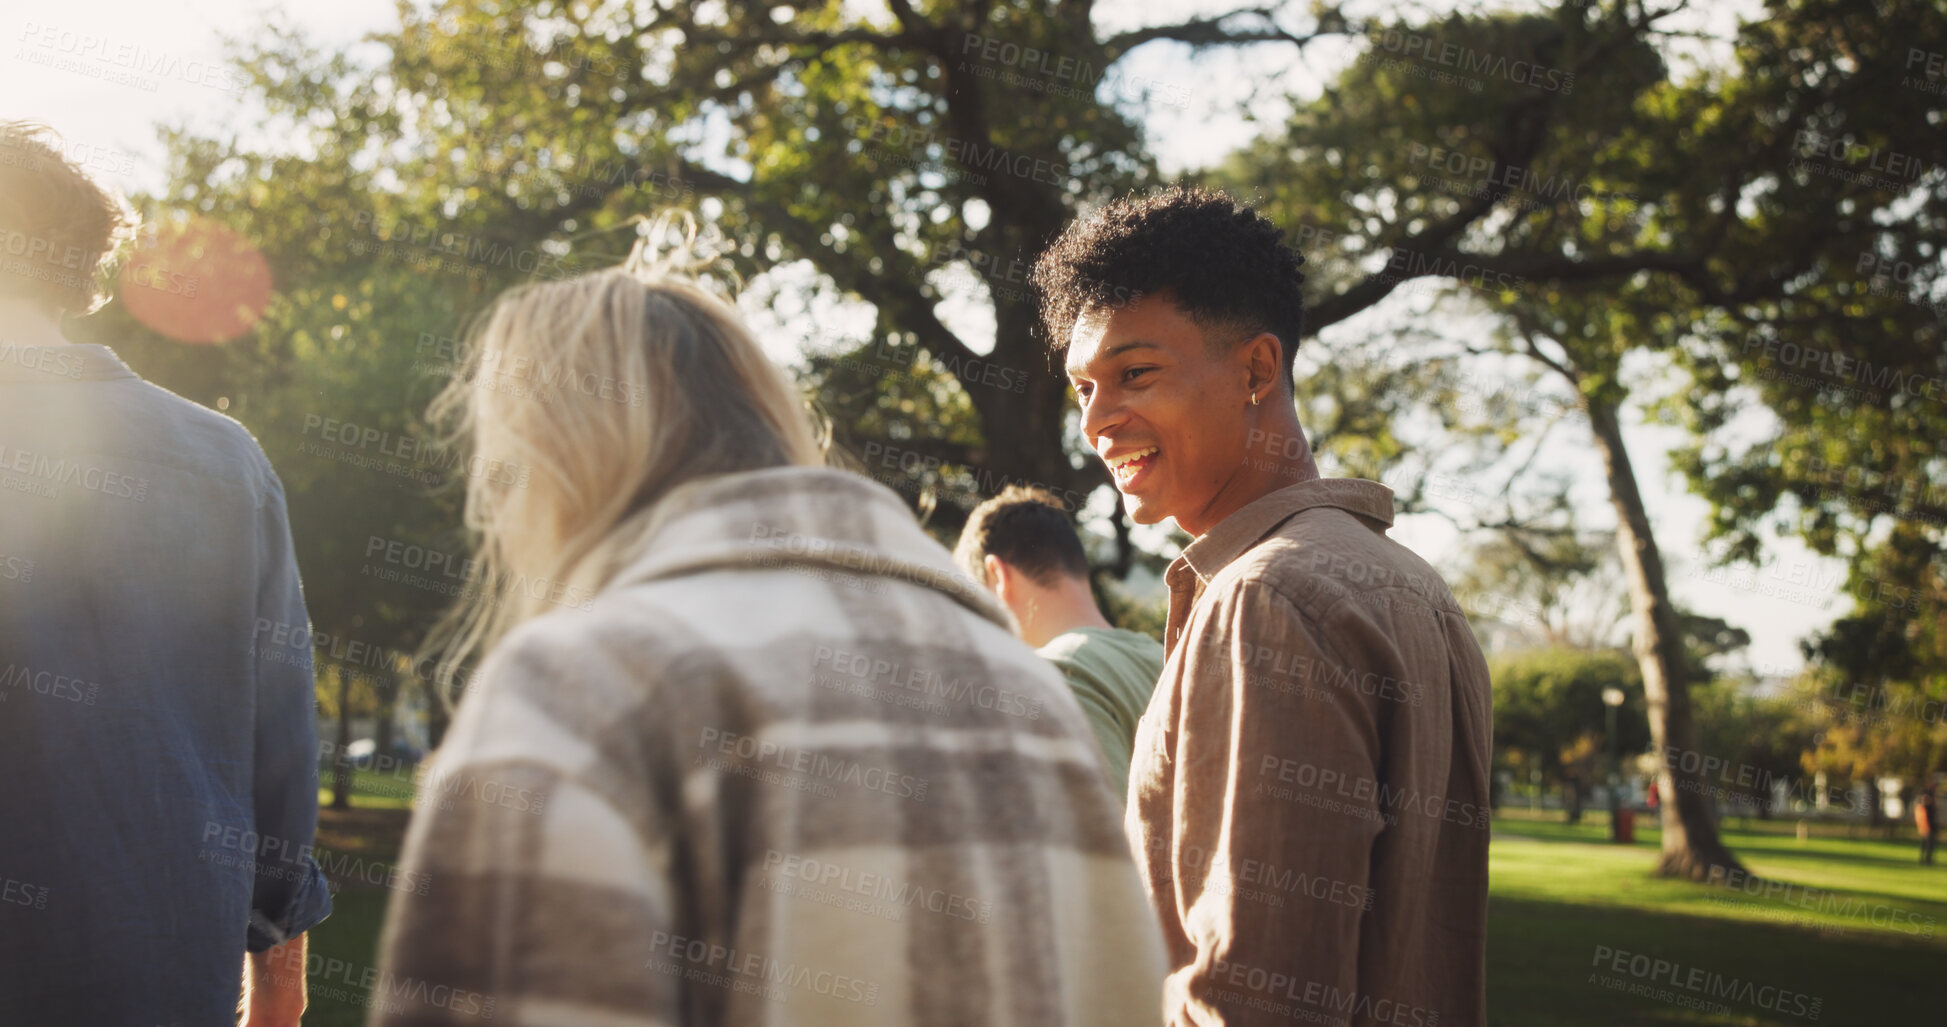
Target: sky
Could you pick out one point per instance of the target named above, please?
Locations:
(105, 73)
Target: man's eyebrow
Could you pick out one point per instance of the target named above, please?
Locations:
(1121, 347)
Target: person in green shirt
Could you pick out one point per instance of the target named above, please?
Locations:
(1022, 545)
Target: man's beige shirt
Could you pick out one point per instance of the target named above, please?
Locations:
(1308, 797)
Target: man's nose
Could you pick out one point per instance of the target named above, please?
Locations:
(1100, 412)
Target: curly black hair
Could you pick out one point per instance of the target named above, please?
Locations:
(1222, 262)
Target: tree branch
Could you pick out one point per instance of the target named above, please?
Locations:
(898, 302)
(1210, 31)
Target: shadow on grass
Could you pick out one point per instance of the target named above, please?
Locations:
(1889, 856)
(1552, 963)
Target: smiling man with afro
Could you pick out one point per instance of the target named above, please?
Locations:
(1308, 790)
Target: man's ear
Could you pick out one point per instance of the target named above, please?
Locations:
(1263, 359)
(1000, 574)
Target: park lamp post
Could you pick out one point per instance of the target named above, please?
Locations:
(1611, 699)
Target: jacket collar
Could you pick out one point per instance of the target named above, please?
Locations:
(808, 516)
(34, 362)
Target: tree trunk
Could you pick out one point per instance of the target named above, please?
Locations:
(341, 764)
(1023, 431)
(1691, 846)
(437, 715)
(384, 718)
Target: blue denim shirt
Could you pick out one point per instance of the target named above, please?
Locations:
(158, 776)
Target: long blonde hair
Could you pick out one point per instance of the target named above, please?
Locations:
(583, 403)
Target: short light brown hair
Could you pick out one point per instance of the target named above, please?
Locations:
(59, 229)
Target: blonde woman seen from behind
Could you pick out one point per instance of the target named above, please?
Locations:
(743, 747)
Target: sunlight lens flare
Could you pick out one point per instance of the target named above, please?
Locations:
(196, 282)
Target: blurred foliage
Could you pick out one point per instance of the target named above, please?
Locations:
(1548, 701)
(397, 185)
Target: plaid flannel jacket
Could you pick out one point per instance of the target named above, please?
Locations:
(789, 768)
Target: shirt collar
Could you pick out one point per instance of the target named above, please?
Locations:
(33, 362)
(1236, 534)
(816, 517)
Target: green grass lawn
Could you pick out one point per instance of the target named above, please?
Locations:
(1844, 930)
(373, 789)
(1849, 929)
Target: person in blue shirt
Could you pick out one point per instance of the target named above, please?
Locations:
(158, 754)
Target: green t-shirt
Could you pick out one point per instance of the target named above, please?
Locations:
(1112, 672)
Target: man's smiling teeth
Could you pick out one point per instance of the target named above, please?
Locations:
(1121, 464)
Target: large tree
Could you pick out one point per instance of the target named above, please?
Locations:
(1643, 216)
(405, 181)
